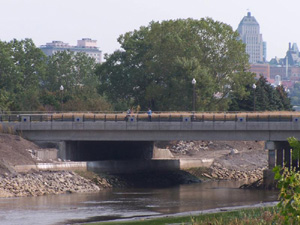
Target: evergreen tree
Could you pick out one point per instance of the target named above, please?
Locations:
(264, 97)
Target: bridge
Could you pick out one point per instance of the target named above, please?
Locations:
(76, 132)
(162, 127)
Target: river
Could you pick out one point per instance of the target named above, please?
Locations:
(126, 203)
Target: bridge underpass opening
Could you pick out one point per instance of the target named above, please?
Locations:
(107, 150)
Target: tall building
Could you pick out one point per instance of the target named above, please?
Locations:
(85, 45)
(250, 34)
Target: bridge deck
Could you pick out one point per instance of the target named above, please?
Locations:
(163, 126)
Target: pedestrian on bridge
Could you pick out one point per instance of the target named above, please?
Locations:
(128, 114)
(149, 112)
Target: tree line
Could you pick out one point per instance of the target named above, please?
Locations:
(153, 68)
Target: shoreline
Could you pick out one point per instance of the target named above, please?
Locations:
(38, 183)
(190, 213)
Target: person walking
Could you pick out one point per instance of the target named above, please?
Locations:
(128, 114)
(149, 112)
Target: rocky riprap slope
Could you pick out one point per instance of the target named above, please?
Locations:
(220, 173)
(43, 183)
(232, 160)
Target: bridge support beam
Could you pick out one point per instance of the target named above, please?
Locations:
(279, 155)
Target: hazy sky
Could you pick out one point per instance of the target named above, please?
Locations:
(104, 20)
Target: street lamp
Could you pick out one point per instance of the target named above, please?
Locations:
(254, 88)
(61, 96)
(194, 93)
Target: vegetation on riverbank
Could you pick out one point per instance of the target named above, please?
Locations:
(257, 216)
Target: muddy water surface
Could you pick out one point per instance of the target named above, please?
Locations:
(127, 203)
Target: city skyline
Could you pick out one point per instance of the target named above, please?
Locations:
(68, 21)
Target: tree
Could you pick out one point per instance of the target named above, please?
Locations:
(157, 63)
(76, 73)
(266, 97)
(22, 67)
(295, 94)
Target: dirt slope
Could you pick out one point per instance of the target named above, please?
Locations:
(234, 155)
(14, 151)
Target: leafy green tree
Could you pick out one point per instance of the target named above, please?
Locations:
(22, 68)
(76, 73)
(289, 185)
(157, 63)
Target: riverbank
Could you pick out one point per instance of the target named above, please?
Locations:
(44, 183)
(262, 213)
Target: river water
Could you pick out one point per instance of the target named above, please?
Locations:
(127, 203)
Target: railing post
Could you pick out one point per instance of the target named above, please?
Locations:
(287, 157)
(116, 118)
(83, 118)
(94, 117)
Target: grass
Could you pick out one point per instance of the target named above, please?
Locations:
(256, 216)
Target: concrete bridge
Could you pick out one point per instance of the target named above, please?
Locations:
(163, 127)
(114, 132)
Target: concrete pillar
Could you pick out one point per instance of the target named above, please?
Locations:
(62, 150)
(270, 145)
(279, 155)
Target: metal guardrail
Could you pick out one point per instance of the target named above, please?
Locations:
(156, 117)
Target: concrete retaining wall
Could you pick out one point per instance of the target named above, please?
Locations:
(130, 166)
(190, 163)
(53, 166)
(47, 154)
(120, 167)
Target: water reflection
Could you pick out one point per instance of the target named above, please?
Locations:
(121, 203)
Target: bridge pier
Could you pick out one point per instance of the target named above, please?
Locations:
(280, 154)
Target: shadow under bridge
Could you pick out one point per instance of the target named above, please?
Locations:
(106, 150)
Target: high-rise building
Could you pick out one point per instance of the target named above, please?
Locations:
(250, 34)
(85, 45)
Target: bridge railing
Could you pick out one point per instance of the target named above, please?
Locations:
(156, 117)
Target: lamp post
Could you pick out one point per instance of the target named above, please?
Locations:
(254, 88)
(61, 96)
(194, 93)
